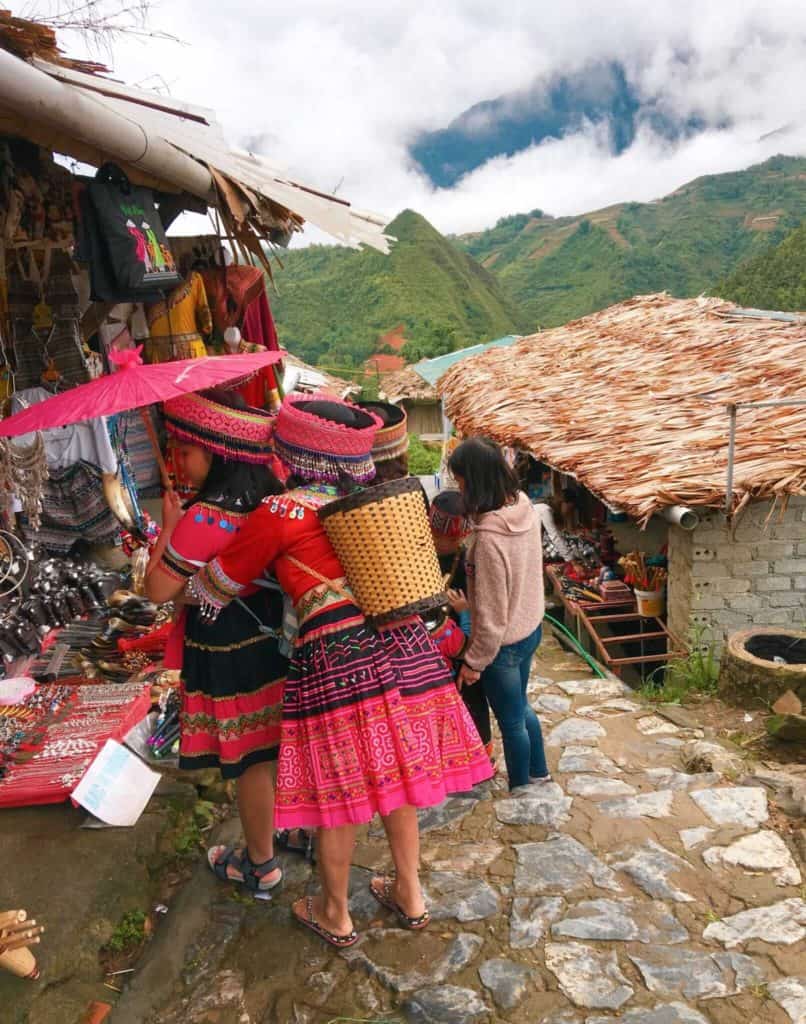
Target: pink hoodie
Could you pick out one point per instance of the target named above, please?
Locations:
(504, 580)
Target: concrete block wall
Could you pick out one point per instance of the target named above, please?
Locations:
(731, 579)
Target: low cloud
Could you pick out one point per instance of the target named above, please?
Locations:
(338, 92)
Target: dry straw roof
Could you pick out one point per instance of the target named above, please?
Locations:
(407, 385)
(632, 401)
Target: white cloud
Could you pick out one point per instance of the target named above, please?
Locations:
(338, 91)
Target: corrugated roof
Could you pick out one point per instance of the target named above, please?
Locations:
(633, 401)
(432, 369)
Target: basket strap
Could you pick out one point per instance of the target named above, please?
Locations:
(335, 587)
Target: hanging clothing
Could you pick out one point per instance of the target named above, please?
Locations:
(44, 318)
(73, 503)
(176, 325)
(73, 509)
(546, 517)
(237, 297)
(371, 722)
(65, 347)
(258, 323)
(136, 444)
(232, 672)
(85, 441)
(116, 336)
(258, 389)
(125, 327)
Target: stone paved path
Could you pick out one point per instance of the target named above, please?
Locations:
(627, 891)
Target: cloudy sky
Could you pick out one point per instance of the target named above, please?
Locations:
(337, 91)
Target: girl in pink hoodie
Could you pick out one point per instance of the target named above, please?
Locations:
(505, 590)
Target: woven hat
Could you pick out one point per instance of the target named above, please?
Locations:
(243, 435)
(447, 515)
(323, 437)
(392, 439)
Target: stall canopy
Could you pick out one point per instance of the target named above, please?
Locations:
(635, 402)
(74, 108)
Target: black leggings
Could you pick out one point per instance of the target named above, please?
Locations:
(476, 703)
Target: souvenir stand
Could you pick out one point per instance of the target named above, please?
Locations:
(88, 280)
(92, 174)
(612, 602)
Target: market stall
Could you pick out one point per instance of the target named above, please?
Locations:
(103, 315)
(611, 598)
(652, 419)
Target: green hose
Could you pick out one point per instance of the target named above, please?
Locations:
(580, 650)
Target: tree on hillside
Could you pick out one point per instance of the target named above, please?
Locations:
(774, 280)
(429, 340)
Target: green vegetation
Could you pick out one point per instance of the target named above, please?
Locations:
(188, 838)
(558, 269)
(129, 934)
(534, 271)
(423, 461)
(696, 672)
(774, 280)
(334, 302)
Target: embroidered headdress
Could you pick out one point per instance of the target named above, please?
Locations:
(392, 440)
(322, 437)
(243, 435)
(447, 515)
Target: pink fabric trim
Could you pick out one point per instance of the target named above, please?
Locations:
(241, 434)
(302, 429)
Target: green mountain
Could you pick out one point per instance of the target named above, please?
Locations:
(557, 269)
(335, 302)
(776, 279)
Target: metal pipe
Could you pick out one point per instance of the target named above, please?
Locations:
(681, 515)
(731, 459)
(33, 94)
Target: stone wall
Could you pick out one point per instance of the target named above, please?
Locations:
(754, 575)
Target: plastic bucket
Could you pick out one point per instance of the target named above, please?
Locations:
(650, 603)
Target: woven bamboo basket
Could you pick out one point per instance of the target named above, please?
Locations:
(383, 539)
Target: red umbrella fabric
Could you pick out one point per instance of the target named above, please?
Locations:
(134, 386)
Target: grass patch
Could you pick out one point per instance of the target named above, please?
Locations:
(188, 837)
(129, 933)
(695, 672)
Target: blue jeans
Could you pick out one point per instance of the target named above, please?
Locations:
(505, 680)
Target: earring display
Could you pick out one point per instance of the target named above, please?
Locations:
(49, 740)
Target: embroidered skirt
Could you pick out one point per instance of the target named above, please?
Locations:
(232, 687)
(370, 723)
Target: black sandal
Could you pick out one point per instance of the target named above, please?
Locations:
(220, 858)
(305, 843)
(339, 941)
(385, 898)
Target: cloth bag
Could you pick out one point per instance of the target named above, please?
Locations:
(122, 238)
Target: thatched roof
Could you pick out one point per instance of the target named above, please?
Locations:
(632, 401)
(407, 385)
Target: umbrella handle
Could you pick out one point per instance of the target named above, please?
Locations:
(155, 444)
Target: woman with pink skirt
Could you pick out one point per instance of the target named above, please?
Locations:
(371, 723)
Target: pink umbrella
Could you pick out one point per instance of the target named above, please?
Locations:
(134, 386)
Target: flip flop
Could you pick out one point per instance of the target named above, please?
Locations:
(385, 898)
(339, 941)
